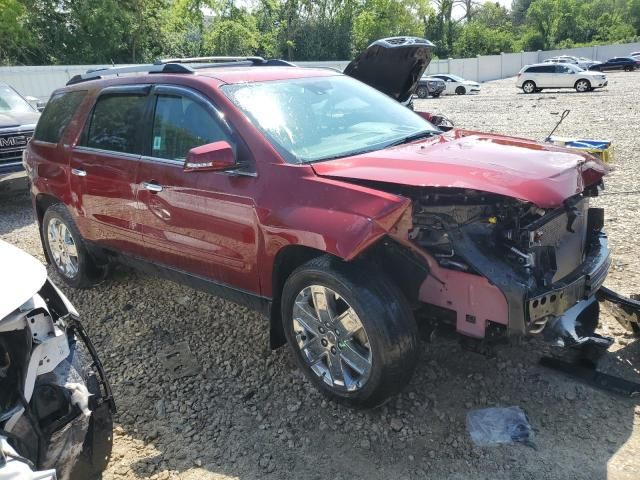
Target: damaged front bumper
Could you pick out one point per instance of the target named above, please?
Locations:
(498, 295)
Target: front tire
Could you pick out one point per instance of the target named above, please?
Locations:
(529, 87)
(351, 331)
(583, 86)
(461, 91)
(628, 68)
(67, 251)
(422, 91)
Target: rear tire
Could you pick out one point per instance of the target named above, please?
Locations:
(461, 91)
(67, 251)
(582, 86)
(422, 91)
(628, 68)
(365, 349)
(529, 87)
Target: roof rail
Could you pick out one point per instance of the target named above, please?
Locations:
(212, 62)
(149, 68)
(178, 65)
(212, 59)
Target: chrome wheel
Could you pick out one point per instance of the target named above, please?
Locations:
(331, 338)
(582, 86)
(529, 87)
(63, 248)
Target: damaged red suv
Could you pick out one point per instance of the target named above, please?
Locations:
(322, 202)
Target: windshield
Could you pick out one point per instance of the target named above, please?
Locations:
(312, 119)
(456, 78)
(10, 101)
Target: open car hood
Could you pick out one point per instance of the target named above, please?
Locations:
(393, 65)
(21, 277)
(540, 173)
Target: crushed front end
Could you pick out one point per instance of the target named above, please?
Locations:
(55, 402)
(499, 265)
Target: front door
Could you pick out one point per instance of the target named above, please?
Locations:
(198, 222)
(565, 76)
(104, 166)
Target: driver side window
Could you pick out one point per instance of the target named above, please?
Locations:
(181, 124)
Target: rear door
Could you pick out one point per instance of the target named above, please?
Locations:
(533, 74)
(547, 76)
(104, 166)
(200, 222)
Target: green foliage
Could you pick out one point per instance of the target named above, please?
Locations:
(388, 18)
(123, 31)
(17, 40)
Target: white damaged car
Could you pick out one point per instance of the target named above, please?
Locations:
(55, 402)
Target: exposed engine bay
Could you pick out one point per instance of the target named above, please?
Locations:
(548, 243)
(55, 403)
(502, 262)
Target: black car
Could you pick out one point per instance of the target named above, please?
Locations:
(430, 86)
(628, 64)
(18, 120)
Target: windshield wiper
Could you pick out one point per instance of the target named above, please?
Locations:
(413, 137)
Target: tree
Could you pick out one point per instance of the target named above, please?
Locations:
(493, 15)
(387, 18)
(544, 17)
(519, 11)
(476, 39)
(17, 39)
(232, 37)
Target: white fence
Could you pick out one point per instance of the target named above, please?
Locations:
(41, 81)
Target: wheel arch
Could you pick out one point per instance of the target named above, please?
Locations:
(402, 267)
(285, 262)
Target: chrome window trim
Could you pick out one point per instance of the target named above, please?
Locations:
(113, 153)
(164, 161)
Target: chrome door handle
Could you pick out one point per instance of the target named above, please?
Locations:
(152, 187)
(78, 173)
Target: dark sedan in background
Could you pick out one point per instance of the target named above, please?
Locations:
(628, 64)
(18, 120)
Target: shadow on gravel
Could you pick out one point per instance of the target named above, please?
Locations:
(12, 211)
(246, 412)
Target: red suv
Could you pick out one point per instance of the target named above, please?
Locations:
(342, 215)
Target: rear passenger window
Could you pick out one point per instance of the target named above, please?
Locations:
(114, 123)
(533, 69)
(181, 124)
(56, 115)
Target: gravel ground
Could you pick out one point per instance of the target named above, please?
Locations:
(235, 409)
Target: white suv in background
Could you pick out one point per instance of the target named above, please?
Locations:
(534, 78)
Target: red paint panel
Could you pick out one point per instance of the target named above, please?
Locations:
(543, 174)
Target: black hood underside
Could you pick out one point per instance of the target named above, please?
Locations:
(393, 65)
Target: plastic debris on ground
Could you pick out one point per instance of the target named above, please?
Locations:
(495, 426)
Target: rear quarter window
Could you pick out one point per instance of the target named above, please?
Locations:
(57, 114)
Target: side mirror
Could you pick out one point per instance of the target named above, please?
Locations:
(212, 157)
